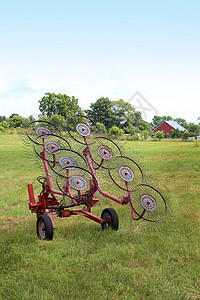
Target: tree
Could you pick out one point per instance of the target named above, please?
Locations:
(144, 125)
(15, 121)
(48, 105)
(138, 116)
(25, 122)
(52, 104)
(193, 128)
(124, 112)
(101, 111)
(13, 116)
(31, 118)
(68, 106)
(112, 113)
(2, 118)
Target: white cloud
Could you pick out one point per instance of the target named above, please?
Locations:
(171, 90)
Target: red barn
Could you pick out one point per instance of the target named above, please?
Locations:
(168, 126)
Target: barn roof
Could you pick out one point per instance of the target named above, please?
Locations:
(175, 125)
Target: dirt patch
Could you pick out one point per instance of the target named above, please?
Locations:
(10, 222)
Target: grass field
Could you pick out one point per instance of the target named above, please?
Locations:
(84, 262)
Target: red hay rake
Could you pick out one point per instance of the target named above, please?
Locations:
(75, 164)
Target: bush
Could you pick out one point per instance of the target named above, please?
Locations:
(116, 131)
(176, 134)
(145, 134)
(159, 135)
(58, 121)
(2, 129)
(101, 127)
(136, 137)
(132, 130)
(186, 135)
(5, 124)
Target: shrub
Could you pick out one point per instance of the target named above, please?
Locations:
(132, 130)
(145, 134)
(136, 137)
(186, 135)
(101, 127)
(2, 129)
(176, 134)
(159, 135)
(5, 124)
(58, 121)
(116, 131)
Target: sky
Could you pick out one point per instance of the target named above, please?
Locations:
(144, 52)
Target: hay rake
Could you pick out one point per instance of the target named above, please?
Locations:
(74, 163)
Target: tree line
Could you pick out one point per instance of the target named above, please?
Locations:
(113, 117)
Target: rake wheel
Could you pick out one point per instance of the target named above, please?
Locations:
(149, 203)
(77, 183)
(41, 129)
(104, 151)
(81, 127)
(123, 170)
(67, 159)
(52, 147)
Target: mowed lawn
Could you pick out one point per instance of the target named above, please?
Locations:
(84, 262)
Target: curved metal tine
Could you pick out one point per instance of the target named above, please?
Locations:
(152, 201)
(83, 125)
(41, 122)
(123, 169)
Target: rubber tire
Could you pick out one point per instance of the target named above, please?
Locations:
(48, 227)
(110, 213)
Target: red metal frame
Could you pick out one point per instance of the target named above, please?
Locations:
(48, 203)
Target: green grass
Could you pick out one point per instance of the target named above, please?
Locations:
(84, 262)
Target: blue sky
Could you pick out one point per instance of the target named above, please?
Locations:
(91, 49)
